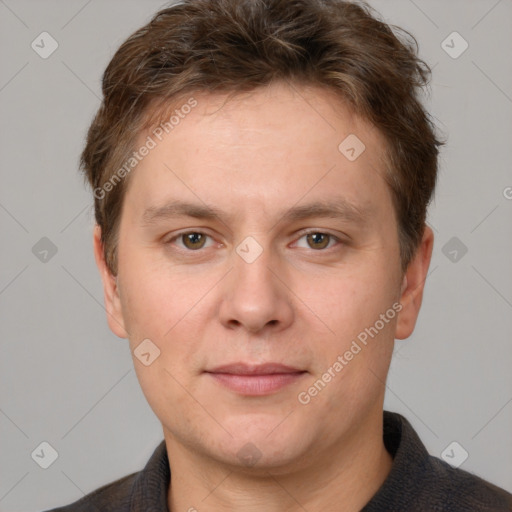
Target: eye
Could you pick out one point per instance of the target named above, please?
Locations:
(191, 240)
(196, 240)
(318, 240)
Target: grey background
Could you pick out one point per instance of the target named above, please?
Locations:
(66, 379)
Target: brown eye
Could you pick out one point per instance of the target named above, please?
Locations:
(318, 240)
(193, 240)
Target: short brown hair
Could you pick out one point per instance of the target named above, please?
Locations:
(239, 45)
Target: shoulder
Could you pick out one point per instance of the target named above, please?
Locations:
(144, 490)
(422, 482)
(454, 489)
(112, 497)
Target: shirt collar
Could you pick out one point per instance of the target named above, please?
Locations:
(152, 483)
(411, 460)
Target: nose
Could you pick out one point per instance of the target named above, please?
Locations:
(255, 295)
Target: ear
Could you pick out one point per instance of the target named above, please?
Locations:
(110, 289)
(413, 285)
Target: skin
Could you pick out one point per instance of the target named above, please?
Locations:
(301, 302)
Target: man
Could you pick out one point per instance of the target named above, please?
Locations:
(261, 172)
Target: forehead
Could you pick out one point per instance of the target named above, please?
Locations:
(271, 146)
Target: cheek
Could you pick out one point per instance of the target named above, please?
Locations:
(165, 392)
(154, 302)
(353, 362)
(349, 303)
(165, 309)
(358, 308)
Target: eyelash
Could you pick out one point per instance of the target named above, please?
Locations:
(305, 233)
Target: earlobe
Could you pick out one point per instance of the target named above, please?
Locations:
(413, 285)
(110, 288)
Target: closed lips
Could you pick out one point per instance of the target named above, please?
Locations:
(259, 369)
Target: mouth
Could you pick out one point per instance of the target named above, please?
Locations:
(256, 380)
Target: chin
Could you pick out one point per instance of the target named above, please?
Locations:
(261, 442)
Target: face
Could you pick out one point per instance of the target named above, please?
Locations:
(248, 237)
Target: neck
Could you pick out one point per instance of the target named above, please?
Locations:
(349, 472)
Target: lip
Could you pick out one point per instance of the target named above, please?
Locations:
(256, 380)
(241, 368)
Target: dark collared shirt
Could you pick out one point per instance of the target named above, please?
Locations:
(417, 482)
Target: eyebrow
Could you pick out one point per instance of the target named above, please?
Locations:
(336, 208)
